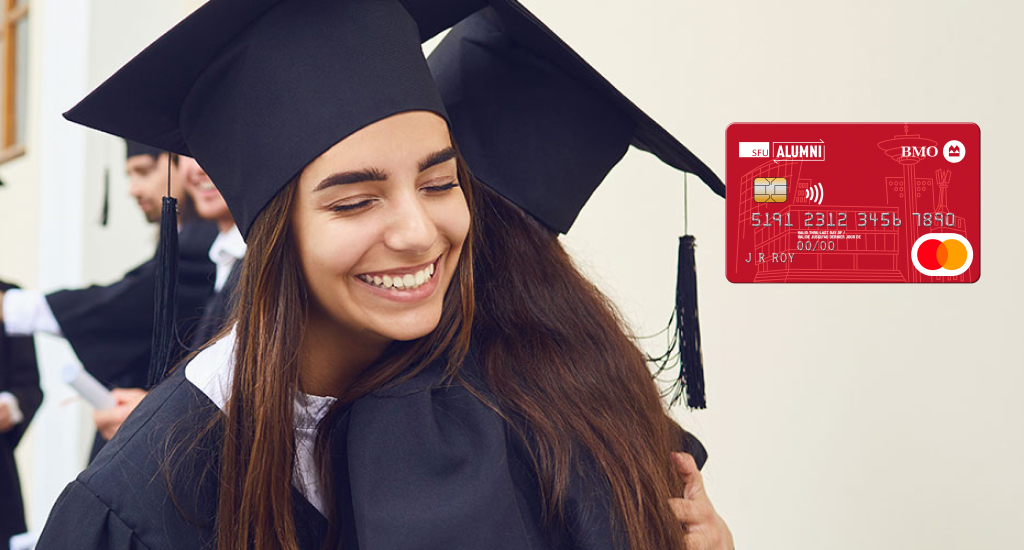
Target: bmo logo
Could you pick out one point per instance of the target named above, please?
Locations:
(954, 151)
(920, 152)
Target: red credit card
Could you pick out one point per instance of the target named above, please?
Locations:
(853, 203)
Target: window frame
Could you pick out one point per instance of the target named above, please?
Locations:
(10, 148)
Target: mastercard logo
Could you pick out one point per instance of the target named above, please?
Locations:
(942, 254)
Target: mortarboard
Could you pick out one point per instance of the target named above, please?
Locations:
(539, 125)
(254, 90)
(134, 148)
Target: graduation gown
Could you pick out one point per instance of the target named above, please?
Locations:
(121, 501)
(19, 375)
(218, 308)
(426, 465)
(111, 327)
(419, 465)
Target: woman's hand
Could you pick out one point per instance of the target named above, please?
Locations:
(705, 529)
(108, 421)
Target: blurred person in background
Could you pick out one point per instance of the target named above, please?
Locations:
(20, 396)
(226, 253)
(110, 327)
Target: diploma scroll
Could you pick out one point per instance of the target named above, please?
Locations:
(88, 387)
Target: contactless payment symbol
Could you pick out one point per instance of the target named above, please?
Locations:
(954, 151)
(769, 189)
(942, 254)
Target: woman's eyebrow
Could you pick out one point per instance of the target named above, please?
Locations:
(433, 159)
(355, 176)
(376, 174)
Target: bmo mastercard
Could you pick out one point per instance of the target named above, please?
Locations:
(853, 203)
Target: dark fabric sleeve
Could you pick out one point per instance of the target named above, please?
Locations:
(23, 382)
(218, 309)
(19, 374)
(590, 517)
(688, 443)
(109, 327)
(81, 521)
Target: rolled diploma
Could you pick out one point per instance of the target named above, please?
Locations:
(88, 387)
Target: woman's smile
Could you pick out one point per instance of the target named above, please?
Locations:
(408, 284)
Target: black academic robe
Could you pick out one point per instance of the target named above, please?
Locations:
(426, 465)
(121, 501)
(111, 327)
(417, 466)
(20, 376)
(218, 308)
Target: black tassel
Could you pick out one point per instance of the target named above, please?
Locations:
(684, 334)
(105, 214)
(691, 373)
(165, 340)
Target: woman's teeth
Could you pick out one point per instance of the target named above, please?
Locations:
(206, 186)
(408, 281)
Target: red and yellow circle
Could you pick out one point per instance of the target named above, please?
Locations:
(949, 254)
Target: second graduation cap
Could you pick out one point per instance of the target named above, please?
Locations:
(539, 125)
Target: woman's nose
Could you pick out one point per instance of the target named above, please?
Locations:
(411, 228)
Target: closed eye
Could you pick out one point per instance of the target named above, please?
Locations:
(361, 204)
(350, 207)
(441, 188)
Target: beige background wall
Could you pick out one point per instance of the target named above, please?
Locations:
(887, 416)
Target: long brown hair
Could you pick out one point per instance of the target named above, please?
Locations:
(254, 505)
(568, 376)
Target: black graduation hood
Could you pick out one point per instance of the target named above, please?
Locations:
(535, 121)
(256, 89)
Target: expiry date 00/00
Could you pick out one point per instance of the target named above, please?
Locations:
(838, 219)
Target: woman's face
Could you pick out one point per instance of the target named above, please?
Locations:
(379, 221)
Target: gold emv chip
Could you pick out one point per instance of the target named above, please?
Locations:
(769, 189)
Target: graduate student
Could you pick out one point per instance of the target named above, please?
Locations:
(320, 123)
(20, 396)
(226, 253)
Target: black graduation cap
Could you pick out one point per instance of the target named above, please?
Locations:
(254, 90)
(134, 149)
(540, 126)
